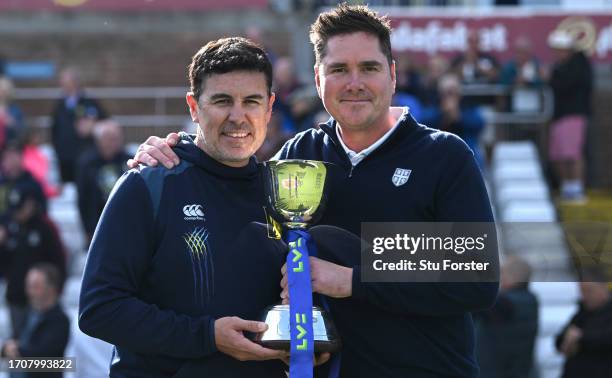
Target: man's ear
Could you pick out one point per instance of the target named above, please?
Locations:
(270, 105)
(393, 75)
(271, 101)
(317, 80)
(192, 103)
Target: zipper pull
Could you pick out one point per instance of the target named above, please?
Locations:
(351, 171)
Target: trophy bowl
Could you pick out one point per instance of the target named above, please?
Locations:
(296, 191)
(278, 335)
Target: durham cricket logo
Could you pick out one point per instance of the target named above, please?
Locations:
(202, 263)
(298, 267)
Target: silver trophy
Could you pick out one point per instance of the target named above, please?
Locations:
(295, 196)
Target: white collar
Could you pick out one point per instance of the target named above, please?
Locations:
(357, 157)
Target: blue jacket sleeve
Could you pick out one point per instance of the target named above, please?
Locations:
(110, 308)
(460, 197)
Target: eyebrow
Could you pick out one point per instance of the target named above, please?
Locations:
(224, 96)
(370, 63)
(254, 97)
(336, 65)
(363, 63)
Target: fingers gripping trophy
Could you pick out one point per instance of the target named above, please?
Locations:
(295, 191)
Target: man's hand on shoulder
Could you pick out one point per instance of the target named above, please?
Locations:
(230, 340)
(155, 150)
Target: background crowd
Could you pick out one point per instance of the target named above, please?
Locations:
(89, 149)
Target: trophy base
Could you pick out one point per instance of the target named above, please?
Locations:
(278, 335)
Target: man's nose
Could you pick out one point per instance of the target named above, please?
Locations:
(355, 81)
(237, 114)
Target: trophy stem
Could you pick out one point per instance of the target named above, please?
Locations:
(296, 225)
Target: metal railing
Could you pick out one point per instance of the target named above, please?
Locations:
(540, 116)
(161, 95)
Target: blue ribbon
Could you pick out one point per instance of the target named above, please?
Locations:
(300, 305)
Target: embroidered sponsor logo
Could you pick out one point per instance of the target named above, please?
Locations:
(193, 212)
(401, 176)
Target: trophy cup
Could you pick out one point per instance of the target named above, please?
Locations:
(295, 191)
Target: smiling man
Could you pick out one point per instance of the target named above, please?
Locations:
(419, 330)
(160, 280)
(392, 170)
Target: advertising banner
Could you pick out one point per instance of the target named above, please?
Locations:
(422, 34)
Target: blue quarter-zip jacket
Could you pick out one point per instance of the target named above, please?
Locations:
(173, 251)
(417, 330)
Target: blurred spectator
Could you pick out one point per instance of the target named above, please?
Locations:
(74, 117)
(586, 342)
(46, 331)
(506, 333)
(408, 87)
(408, 79)
(27, 237)
(455, 116)
(412, 102)
(36, 162)
(436, 68)
(475, 66)
(572, 82)
(275, 138)
(524, 70)
(285, 84)
(98, 170)
(11, 117)
(14, 180)
(305, 105)
(255, 34)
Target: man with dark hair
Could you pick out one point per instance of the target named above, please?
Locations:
(346, 20)
(586, 341)
(14, 178)
(72, 122)
(170, 275)
(46, 331)
(99, 168)
(387, 329)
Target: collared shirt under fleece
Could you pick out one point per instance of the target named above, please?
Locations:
(416, 330)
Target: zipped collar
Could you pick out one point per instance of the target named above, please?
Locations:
(404, 126)
(189, 151)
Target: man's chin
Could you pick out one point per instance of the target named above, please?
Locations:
(354, 123)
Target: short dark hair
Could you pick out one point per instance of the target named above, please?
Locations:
(52, 275)
(347, 19)
(226, 55)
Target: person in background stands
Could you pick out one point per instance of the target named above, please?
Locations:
(572, 84)
(98, 170)
(72, 123)
(47, 328)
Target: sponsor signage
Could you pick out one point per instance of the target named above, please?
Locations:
(422, 34)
